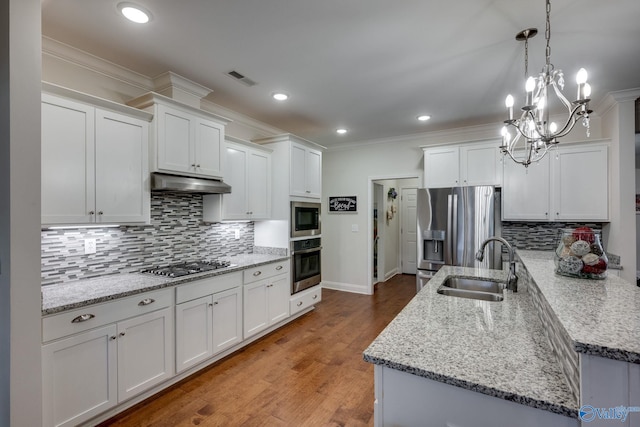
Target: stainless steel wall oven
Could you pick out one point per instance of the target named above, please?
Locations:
(305, 264)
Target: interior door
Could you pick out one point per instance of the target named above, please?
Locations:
(408, 213)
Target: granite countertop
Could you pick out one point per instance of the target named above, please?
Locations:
(602, 317)
(67, 296)
(496, 348)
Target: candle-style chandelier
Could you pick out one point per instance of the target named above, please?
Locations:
(535, 134)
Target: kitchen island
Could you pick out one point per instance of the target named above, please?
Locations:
(472, 363)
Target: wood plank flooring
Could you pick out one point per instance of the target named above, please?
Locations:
(308, 373)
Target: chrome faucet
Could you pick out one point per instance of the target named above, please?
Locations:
(512, 279)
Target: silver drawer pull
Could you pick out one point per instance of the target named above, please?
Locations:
(83, 318)
(299, 303)
(146, 301)
(257, 273)
(315, 297)
(279, 267)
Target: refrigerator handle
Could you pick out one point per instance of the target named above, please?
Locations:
(452, 234)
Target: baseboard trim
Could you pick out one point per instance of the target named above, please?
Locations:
(346, 287)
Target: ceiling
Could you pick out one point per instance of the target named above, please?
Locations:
(370, 66)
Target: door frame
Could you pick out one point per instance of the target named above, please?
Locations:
(370, 181)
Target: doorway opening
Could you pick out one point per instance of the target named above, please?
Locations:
(392, 219)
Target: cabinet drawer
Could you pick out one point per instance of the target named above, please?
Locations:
(265, 271)
(305, 299)
(208, 286)
(92, 316)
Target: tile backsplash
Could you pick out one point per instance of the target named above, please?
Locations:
(540, 236)
(176, 234)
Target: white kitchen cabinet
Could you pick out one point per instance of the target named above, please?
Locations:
(184, 140)
(91, 356)
(306, 171)
(305, 299)
(569, 184)
(580, 184)
(400, 401)
(94, 162)
(462, 165)
(525, 191)
(208, 318)
(267, 290)
(118, 349)
(248, 170)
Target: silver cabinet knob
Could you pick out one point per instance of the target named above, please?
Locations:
(299, 303)
(257, 273)
(122, 334)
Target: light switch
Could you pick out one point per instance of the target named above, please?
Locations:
(354, 228)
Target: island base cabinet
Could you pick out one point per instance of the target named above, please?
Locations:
(403, 399)
(79, 377)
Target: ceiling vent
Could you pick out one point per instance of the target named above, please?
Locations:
(241, 78)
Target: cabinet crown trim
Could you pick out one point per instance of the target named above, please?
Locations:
(151, 98)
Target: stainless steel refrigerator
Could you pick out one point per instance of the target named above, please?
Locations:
(452, 224)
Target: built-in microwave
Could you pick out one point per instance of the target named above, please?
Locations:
(305, 219)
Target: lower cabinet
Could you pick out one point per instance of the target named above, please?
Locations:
(305, 299)
(88, 372)
(267, 290)
(207, 326)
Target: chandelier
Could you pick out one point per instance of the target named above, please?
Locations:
(534, 133)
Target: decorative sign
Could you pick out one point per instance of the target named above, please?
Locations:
(343, 204)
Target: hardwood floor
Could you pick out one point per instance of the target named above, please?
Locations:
(308, 373)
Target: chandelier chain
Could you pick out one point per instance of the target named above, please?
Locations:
(547, 33)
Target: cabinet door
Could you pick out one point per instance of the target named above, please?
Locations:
(278, 294)
(580, 183)
(122, 169)
(235, 204)
(313, 176)
(256, 316)
(227, 319)
(525, 191)
(145, 352)
(193, 332)
(68, 170)
(209, 148)
(480, 164)
(175, 140)
(259, 184)
(79, 377)
(298, 186)
(441, 167)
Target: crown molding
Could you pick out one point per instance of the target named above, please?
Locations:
(80, 58)
(245, 121)
(170, 80)
(614, 98)
(286, 137)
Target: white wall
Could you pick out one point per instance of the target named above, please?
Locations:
(20, 307)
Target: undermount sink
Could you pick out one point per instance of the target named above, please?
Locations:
(480, 289)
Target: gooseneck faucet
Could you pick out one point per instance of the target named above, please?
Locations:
(512, 279)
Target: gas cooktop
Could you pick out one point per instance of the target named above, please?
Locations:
(187, 268)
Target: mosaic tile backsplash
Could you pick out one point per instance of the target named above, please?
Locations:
(176, 234)
(538, 236)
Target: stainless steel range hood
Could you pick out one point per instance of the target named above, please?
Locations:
(185, 184)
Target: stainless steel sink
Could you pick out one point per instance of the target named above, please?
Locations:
(480, 289)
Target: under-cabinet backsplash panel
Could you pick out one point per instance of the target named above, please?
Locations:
(176, 234)
(538, 236)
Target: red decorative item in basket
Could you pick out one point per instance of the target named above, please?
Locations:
(584, 233)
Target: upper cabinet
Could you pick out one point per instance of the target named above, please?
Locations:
(184, 140)
(94, 160)
(569, 184)
(462, 165)
(248, 170)
(306, 171)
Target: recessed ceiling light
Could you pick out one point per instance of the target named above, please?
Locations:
(341, 131)
(134, 13)
(424, 117)
(280, 96)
